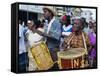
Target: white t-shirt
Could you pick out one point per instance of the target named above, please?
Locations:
(22, 48)
(67, 30)
(33, 38)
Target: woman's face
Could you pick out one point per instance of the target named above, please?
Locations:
(77, 25)
(31, 25)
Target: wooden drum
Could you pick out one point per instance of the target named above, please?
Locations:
(42, 56)
(71, 58)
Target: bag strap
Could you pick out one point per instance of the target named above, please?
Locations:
(70, 41)
(84, 42)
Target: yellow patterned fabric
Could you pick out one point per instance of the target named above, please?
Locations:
(42, 56)
(32, 64)
(76, 41)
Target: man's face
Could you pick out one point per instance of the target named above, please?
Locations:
(77, 25)
(46, 13)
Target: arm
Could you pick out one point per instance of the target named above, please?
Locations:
(41, 33)
(54, 33)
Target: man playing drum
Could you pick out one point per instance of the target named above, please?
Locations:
(52, 32)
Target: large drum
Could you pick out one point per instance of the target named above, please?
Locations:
(42, 56)
(72, 58)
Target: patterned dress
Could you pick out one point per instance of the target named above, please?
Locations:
(76, 41)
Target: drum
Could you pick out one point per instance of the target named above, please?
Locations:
(71, 58)
(42, 56)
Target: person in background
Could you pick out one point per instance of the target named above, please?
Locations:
(90, 24)
(91, 32)
(66, 29)
(86, 28)
(66, 25)
(92, 53)
(23, 59)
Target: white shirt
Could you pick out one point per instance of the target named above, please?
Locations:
(66, 30)
(22, 47)
(33, 38)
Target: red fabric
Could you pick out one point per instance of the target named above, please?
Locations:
(64, 17)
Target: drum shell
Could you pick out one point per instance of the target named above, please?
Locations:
(42, 56)
(72, 62)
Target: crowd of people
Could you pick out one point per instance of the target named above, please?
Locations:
(59, 35)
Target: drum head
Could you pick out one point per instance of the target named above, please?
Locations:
(71, 53)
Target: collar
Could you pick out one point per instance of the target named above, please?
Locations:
(50, 24)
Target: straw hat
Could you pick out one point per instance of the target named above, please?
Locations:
(50, 8)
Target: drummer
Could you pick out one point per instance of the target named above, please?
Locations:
(32, 38)
(78, 39)
(53, 29)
